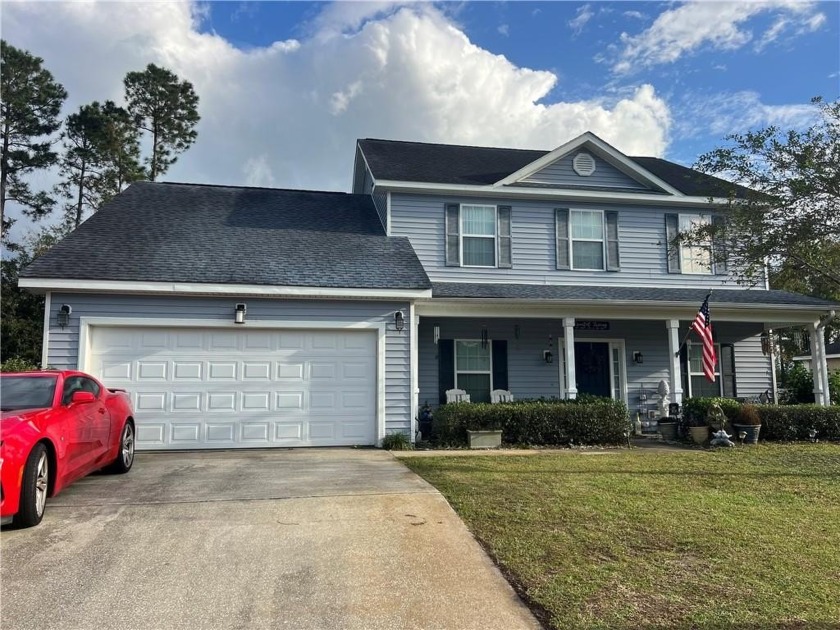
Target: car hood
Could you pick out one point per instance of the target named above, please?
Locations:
(10, 419)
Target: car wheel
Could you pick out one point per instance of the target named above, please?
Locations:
(35, 487)
(125, 456)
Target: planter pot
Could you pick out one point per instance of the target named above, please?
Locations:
(485, 439)
(751, 431)
(668, 430)
(700, 435)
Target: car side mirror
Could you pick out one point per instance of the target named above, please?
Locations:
(82, 397)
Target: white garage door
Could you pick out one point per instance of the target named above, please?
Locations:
(223, 388)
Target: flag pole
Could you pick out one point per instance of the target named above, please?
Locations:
(685, 339)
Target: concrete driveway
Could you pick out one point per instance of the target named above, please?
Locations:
(309, 538)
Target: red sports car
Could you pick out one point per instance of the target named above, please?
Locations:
(56, 427)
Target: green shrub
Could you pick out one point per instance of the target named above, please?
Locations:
(797, 385)
(396, 442)
(543, 422)
(695, 410)
(18, 364)
(792, 422)
(834, 386)
(748, 414)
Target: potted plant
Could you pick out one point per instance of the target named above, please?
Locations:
(748, 423)
(668, 428)
(699, 430)
(485, 431)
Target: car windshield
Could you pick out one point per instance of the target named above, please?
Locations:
(26, 392)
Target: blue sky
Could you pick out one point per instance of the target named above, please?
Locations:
(287, 88)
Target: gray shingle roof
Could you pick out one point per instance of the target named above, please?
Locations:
(454, 164)
(165, 232)
(569, 293)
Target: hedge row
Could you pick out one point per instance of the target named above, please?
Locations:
(590, 421)
(778, 422)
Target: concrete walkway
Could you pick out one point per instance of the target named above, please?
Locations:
(309, 538)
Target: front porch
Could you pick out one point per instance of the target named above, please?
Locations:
(544, 357)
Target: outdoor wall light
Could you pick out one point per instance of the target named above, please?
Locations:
(399, 321)
(63, 316)
(765, 343)
(239, 313)
(638, 358)
(436, 333)
(548, 357)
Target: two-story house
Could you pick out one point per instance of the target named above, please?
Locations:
(248, 317)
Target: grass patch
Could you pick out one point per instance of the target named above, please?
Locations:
(738, 538)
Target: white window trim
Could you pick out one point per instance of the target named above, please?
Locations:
(602, 240)
(614, 344)
(495, 236)
(718, 376)
(455, 359)
(703, 218)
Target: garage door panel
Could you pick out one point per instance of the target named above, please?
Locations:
(227, 389)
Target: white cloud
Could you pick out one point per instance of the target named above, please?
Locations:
(735, 112)
(634, 14)
(504, 29)
(288, 114)
(717, 25)
(584, 14)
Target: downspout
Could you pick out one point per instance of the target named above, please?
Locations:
(823, 322)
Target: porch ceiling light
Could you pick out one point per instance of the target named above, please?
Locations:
(63, 316)
(239, 313)
(399, 321)
(638, 358)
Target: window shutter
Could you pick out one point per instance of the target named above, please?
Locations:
(561, 222)
(446, 367)
(505, 257)
(611, 227)
(500, 368)
(672, 229)
(453, 235)
(684, 369)
(719, 246)
(727, 370)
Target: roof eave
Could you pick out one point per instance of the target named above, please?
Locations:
(553, 193)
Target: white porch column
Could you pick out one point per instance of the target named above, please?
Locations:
(414, 360)
(823, 366)
(817, 363)
(569, 347)
(773, 381)
(674, 368)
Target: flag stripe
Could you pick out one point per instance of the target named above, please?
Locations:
(702, 325)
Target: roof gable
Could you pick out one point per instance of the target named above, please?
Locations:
(556, 168)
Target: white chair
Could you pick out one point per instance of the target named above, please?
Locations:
(456, 395)
(500, 396)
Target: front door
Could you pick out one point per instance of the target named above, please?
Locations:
(592, 368)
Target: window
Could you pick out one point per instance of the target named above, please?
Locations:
(587, 238)
(473, 369)
(724, 384)
(478, 235)
(697, 259)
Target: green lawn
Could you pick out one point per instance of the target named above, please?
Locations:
(739, 538)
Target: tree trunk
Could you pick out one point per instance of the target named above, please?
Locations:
(153, 170)
(3, 176)
(81, 194)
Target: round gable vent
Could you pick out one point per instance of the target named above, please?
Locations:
(584, 164)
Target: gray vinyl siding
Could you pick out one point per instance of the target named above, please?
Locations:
(530, 377)
(641, 244)
(562, 174)
(380, 200)
(64, 343)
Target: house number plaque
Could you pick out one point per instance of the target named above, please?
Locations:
(588, 324)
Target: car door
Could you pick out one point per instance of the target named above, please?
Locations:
(99, 420)
(80, 427)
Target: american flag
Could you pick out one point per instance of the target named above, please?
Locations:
(703, 326)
